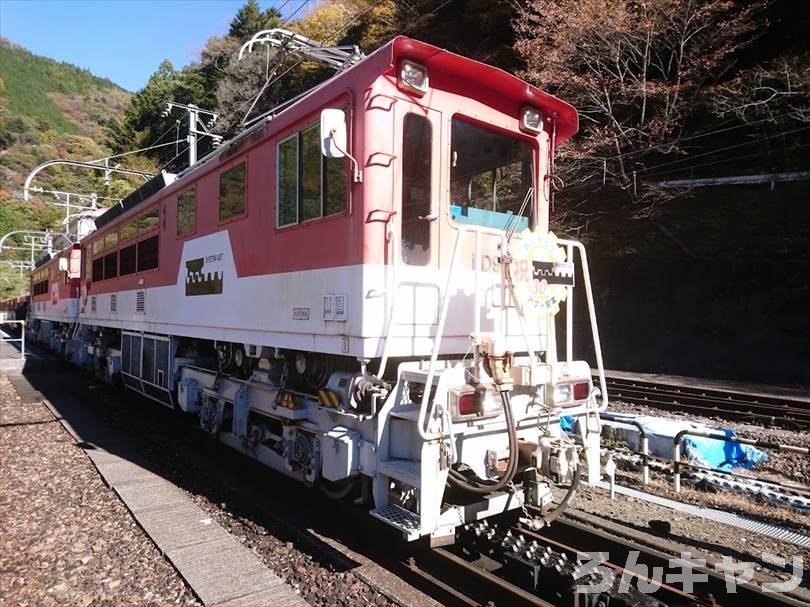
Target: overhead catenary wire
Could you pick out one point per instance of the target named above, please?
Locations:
(692, 137)
(724, 149)
(656, 169)
(268, 83)
(292, 14)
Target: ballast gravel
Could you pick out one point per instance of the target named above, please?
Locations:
(65, 538)
(240, 495)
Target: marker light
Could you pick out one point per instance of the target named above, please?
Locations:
(581, 390)
(466, 404)
(531, 119)
(413, 77)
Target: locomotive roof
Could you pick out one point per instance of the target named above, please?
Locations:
(455, 73)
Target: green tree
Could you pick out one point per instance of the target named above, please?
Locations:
(250, 19)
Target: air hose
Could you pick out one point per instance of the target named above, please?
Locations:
(482, 486)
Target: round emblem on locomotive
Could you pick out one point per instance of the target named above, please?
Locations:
(541, 289)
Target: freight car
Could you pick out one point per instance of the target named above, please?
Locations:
(14, 308)
(360, 291)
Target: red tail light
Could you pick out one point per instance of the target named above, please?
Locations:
(466, 404)
(581, 391)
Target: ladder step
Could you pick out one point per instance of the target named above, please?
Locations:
(396, 516)
(406, 470)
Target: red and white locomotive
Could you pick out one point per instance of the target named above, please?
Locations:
(359, 291)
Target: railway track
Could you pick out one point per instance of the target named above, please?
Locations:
(467, 574)
(509, 564)
(767, 410)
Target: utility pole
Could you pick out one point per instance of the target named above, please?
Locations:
(196, 126)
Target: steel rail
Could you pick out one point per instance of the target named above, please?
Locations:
(570, 533)
(770, 410)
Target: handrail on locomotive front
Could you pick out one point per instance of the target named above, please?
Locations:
(570, 245)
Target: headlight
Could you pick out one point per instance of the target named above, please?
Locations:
(413, 77)
(531, 119)
(562, 393)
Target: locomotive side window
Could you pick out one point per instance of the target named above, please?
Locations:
(149, 220)
(111, 265)
(288, 181)
(186, 213)
(310, 186)
(111, 241)
(127, 259)
(148, 254)
(490, 178)
(129, 231)
(311, 173)
(232, 192)
(416, 196)
(98, 269)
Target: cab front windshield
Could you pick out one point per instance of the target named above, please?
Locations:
(490, 178)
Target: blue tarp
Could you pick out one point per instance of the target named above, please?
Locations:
(721, 455)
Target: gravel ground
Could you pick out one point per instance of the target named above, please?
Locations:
(65, 538)
(696, 534)
(251, 502)
(703, 538)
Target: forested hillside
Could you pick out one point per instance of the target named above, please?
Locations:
(48, 110)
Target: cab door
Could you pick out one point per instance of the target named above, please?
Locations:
(418, 191)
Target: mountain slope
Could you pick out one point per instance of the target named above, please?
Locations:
(49, 110)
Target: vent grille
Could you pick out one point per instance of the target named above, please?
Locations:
(93, 304)
(140, 301)
(114, 302)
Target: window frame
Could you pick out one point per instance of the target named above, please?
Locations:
(138, 255)
(431, 231)
(244, 213)
(534, 144)
(293, 136)
(134, 246)
(193, 231)
(297, 136)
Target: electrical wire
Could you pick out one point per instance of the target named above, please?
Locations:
(292, 14)
(268, 84)
(425, 16)
(655, 169)
(717, 151)
(698, 135)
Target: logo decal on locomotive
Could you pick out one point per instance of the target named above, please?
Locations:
(551, 273)
(199, 282)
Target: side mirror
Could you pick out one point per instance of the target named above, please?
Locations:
(333, 133)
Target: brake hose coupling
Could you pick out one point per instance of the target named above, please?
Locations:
(498, 363)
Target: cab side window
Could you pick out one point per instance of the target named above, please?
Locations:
(417, 170)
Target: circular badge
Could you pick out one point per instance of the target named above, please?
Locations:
(550, 273)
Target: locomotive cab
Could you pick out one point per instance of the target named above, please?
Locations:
(474, 283)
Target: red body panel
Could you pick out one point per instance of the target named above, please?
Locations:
(367, 91)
